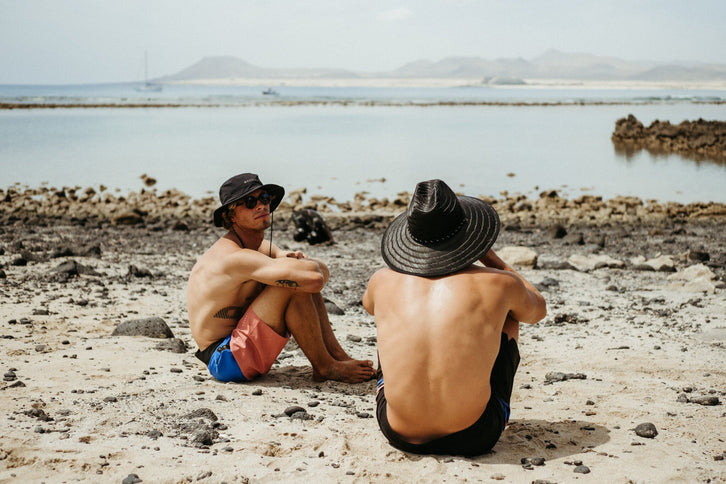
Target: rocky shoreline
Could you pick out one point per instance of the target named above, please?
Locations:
(175, 209)
(700, 139)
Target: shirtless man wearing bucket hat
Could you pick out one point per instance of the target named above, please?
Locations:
(447, 327)
(246, 296)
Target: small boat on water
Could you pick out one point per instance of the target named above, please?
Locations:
(270, 92)
(148, 86)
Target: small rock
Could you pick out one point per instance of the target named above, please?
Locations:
(535, 461)
(131, 479)
(333, 308)
(582, 469)
(557, 231)
(646, 430)
(304, 415)
(150, 327)
(555, 376)
(294, 409)
(518, 256)
(709, 400)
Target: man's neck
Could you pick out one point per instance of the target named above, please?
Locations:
(248, 239)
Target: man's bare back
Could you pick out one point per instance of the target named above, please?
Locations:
(444, 331)
(447, 327)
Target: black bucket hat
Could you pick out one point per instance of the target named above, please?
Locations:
(440, 233)
(238, 187)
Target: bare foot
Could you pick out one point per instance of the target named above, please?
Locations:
(349, 371)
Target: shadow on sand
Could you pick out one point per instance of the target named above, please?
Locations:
(540, 438)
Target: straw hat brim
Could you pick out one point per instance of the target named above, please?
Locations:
(404, 254)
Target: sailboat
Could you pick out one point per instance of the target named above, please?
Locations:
(148, 86)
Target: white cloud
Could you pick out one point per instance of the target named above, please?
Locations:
(400, 13)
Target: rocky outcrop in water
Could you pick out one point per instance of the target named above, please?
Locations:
(700, 139)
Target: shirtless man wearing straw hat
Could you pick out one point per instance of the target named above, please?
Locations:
(246, 296)
(447, 327)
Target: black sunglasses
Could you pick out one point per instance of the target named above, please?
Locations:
(250, 201)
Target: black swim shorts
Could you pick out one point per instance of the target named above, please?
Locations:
(480, 437)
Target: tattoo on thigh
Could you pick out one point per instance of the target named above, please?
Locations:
(230, 312)
(286, 283)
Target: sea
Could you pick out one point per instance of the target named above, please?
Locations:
(341, 141)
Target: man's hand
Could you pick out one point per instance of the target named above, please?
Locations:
(491, 259)
(296, 255)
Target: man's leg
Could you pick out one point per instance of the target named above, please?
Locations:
(331, 342)
(285, 310)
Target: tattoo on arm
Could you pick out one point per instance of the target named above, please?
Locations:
(286, 283)
(230, 312)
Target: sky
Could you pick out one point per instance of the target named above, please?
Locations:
(99, 41)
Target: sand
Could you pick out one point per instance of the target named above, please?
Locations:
(621, 346)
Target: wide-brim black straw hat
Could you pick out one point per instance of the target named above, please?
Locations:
(238, 187)
(440, 233)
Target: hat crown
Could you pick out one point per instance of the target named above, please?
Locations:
(238, 186)
(434, 214)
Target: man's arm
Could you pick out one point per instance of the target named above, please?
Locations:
(368, 295)
(306, 275)
(527, 304)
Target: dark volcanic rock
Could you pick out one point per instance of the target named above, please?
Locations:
(175, 345)
(333, 308)
(73, 268)
(646, 430)
(555, 376)
(202, 413)
(149, 327)
(697, 139)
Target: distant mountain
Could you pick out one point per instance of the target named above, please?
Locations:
(550, 65)
(214, 68)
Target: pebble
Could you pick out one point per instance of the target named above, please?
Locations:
(556, 376)
(131, 479)
(582, 469)
(646, 430)
(535, 461)
(706, 400)
(289, 411)
(303, 415)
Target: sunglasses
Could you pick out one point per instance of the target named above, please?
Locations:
(250, 201)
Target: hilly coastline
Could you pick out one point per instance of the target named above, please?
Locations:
(550, 65)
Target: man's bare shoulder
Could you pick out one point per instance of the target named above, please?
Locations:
(382, 273)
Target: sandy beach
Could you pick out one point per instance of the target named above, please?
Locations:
(635, 334)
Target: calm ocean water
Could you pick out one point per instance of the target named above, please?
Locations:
(339, 141)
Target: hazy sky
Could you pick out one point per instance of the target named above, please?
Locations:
(84, 41)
